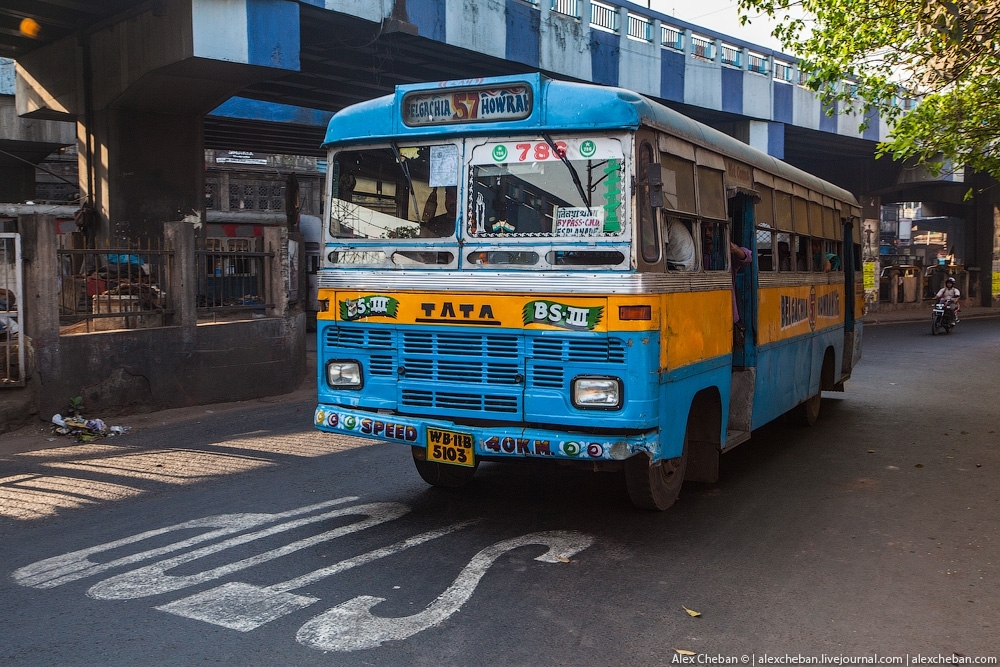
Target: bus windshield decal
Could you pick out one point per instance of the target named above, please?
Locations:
(467, 105)
(576, 221)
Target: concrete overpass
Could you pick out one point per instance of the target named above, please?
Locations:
(150, 85)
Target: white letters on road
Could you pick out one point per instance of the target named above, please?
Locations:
(240, 606)
(352, 626)
(152, 579)
(245, 607)
(53, 572)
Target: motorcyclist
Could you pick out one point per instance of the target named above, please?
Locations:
(950, 292)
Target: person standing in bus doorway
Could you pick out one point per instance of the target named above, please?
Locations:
(738, 258)
(439, 226)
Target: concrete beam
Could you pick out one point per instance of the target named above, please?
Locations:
(177, 56)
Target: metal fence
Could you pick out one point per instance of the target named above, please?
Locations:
(702, 47)
(112, 287)
(232, 276)
(604, 16)
(671, 37)
(640, 27)
(11, 300)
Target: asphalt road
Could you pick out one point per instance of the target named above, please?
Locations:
(246, 538)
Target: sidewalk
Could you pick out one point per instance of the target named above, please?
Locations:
(919, 314)
(37, 433)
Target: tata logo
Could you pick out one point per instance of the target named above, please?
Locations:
(460, 313)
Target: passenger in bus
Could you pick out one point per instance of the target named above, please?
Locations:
(438, 226)
(823, 261)
(679, 252)
(784, 256)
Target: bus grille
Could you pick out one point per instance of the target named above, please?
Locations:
(551, 348)
(467, 374)
(460, 372)
(564, 350)
(465, 402)
(358, 337)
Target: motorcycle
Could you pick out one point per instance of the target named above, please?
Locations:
(943, 316)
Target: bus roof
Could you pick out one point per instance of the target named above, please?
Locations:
(558, 106)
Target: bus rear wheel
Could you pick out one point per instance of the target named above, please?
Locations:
(807, 412)
(655, 486)
(441, 474)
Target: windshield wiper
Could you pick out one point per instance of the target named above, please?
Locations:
(409, 181)
(585, 196)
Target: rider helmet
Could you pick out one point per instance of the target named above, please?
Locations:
(950, 281)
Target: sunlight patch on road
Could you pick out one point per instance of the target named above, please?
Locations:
(37, 496)
(172, 466)
(297, 444)
(92, 449)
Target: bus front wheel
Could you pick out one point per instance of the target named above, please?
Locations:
(441, 474)
(655, 486)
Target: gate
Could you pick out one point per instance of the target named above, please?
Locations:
(11, 293)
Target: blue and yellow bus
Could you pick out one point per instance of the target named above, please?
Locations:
(519, 267)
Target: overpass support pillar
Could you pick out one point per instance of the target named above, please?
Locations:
(768, 137)
(143, 168)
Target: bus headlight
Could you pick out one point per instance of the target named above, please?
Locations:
(343, 374)
(602, 393)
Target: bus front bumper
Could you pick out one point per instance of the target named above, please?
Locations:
(441, 437)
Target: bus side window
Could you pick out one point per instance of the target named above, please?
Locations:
(765, 249)
(679, 248)
(648, 232)
(714, 244)
(784, 251)
(802, 253)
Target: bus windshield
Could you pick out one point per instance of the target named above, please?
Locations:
(546, 188)
(551, 194)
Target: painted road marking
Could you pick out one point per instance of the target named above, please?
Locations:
(351, 626)
(153, 580)
(245, 607)
(63, 569)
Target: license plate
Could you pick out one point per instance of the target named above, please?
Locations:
(450, 447)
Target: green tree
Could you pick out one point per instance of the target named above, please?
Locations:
(945, 55)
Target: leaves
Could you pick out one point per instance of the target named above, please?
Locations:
(946, 54)
(691, 612)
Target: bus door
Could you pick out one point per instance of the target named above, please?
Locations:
(741, 209)
(847, 252)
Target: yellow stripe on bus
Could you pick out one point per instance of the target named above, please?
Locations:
(696, 326)
(786, 312)
(539, 311)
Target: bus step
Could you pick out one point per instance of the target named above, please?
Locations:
(734, 438)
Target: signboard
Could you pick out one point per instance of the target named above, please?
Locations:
(240, 157)
(868, 273)
(467, 105)
(573, 221)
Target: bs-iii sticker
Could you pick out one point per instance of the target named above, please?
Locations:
(368, 306)
(577, 318)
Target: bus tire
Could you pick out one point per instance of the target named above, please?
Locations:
(807, 412)
(441, 474)
(655, 486)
